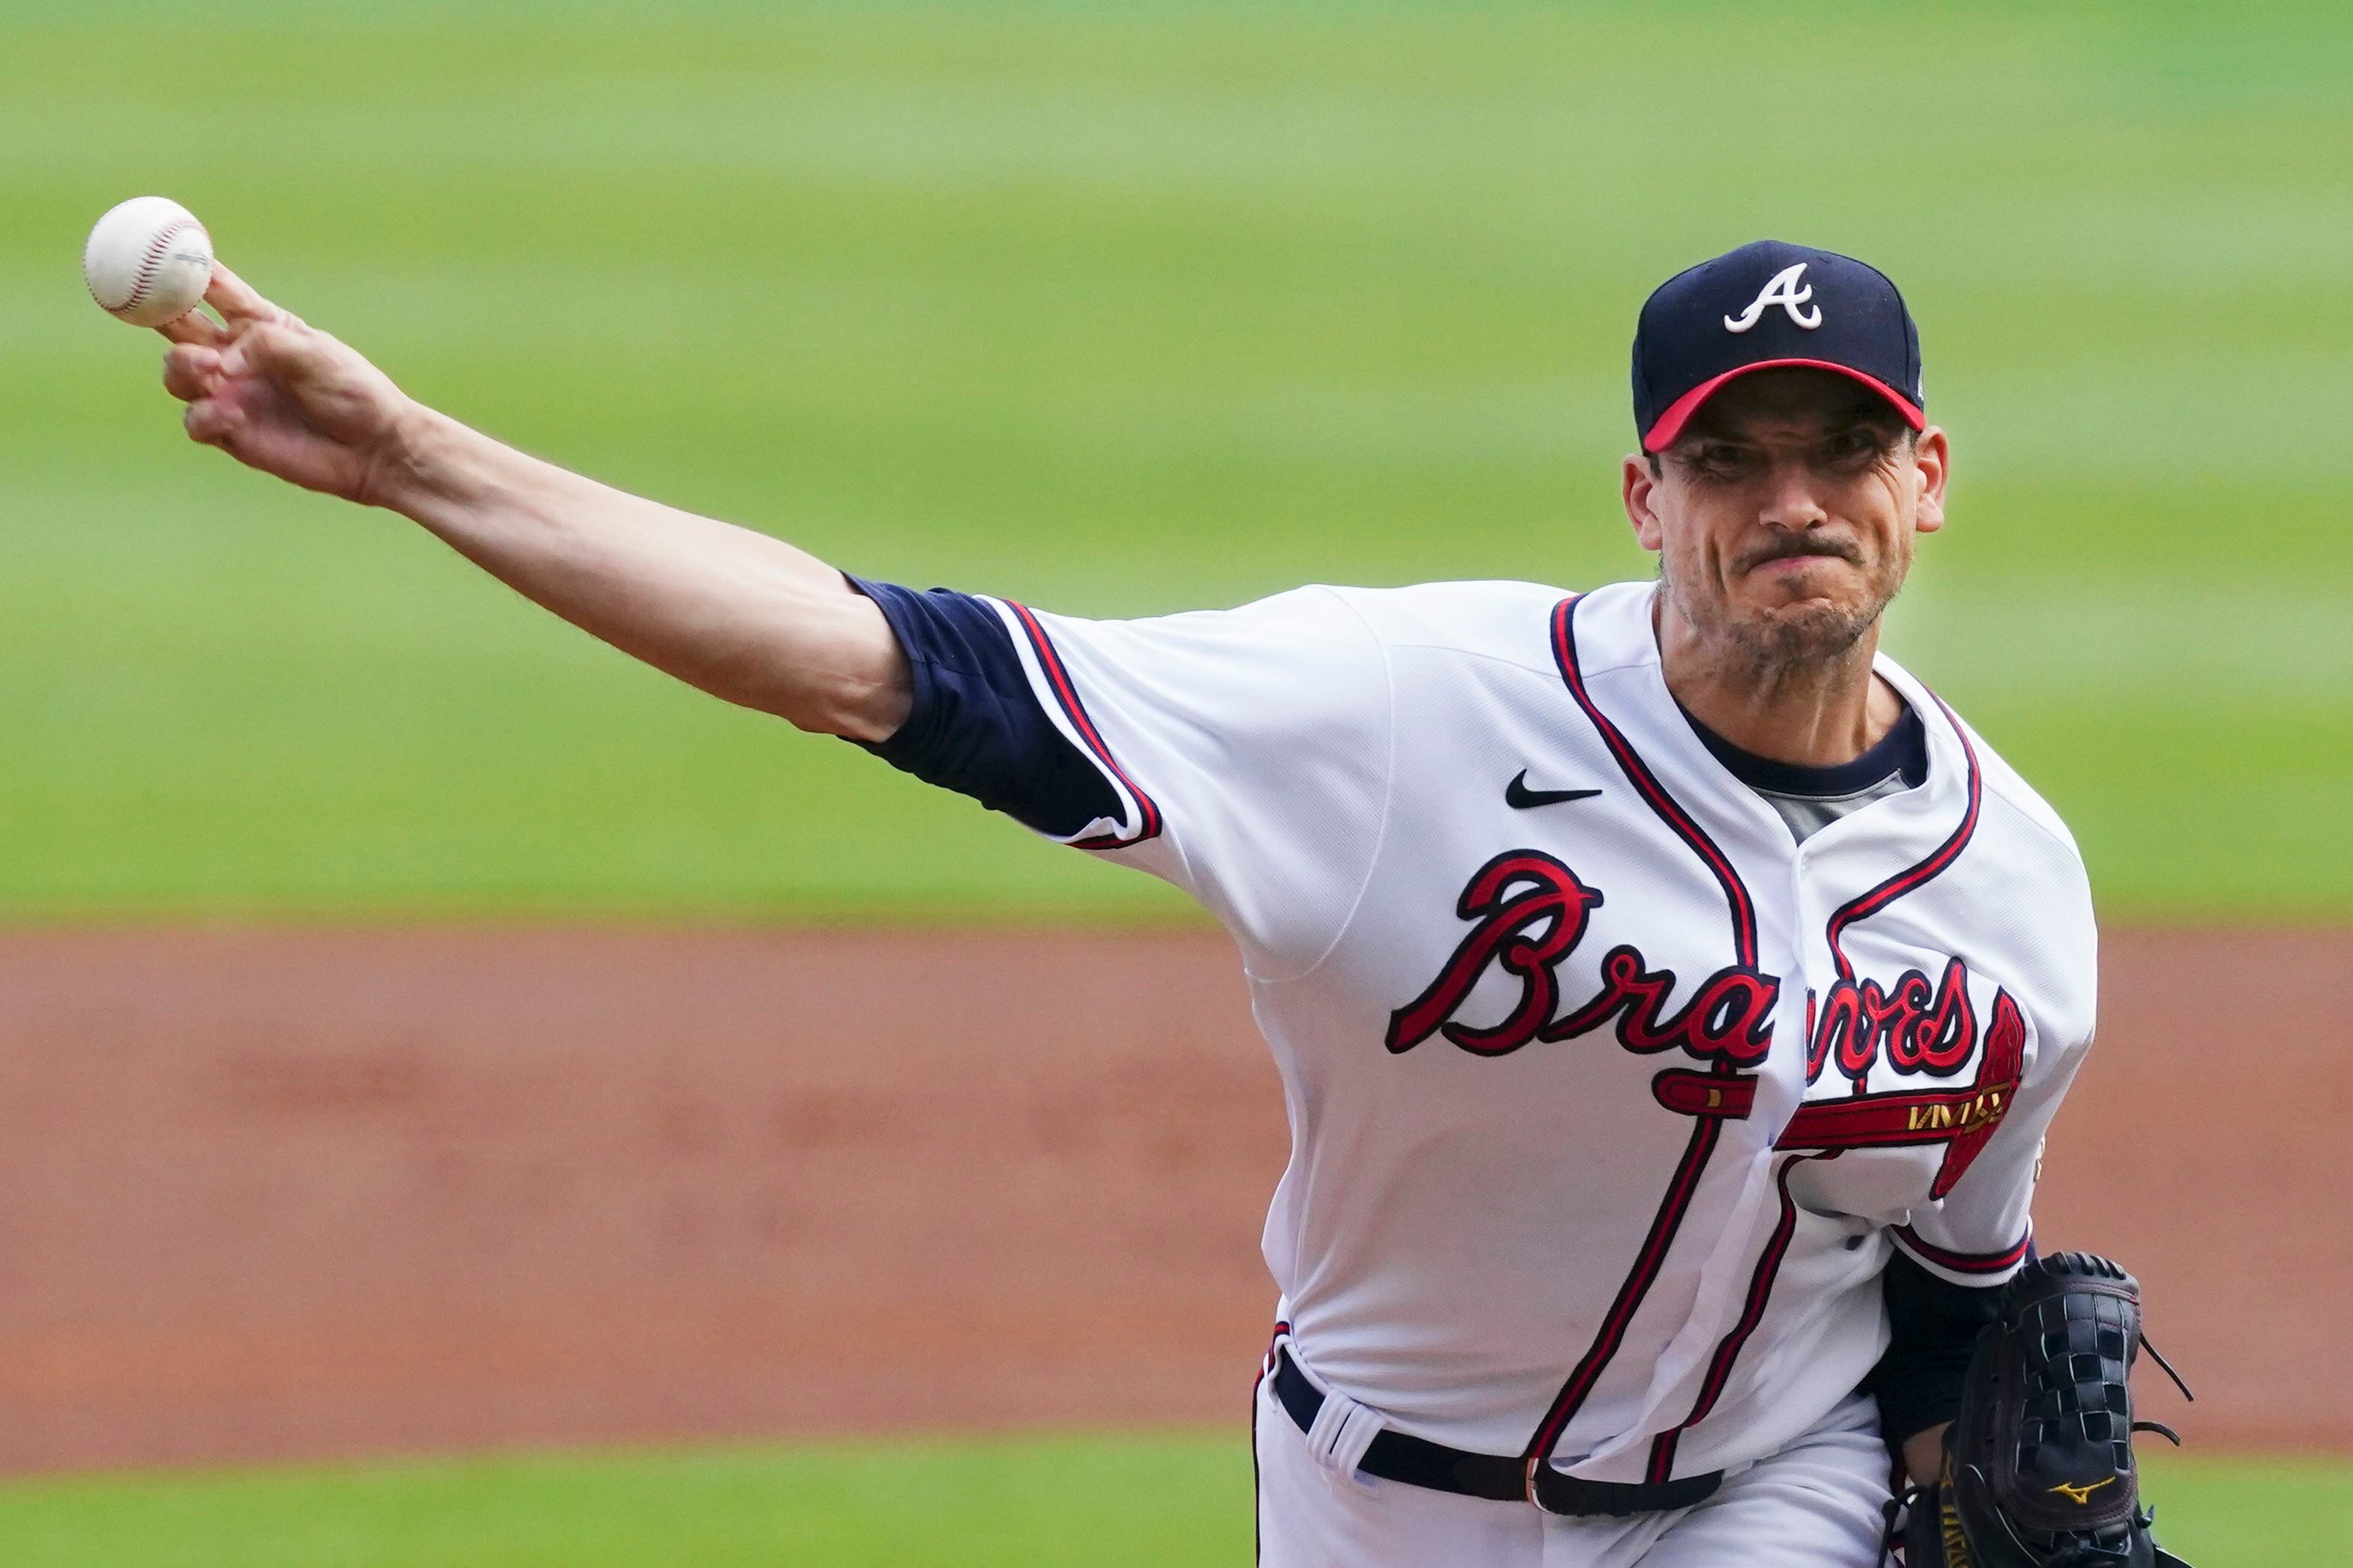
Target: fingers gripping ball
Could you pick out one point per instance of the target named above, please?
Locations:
(2038, 1466)
(148, 261)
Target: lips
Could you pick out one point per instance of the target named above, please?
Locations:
(1797, 557)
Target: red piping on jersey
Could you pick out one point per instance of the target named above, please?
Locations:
(1663, 1224)
(1752, 1313)
(1916, 876)
(1663, 1456)
(1966, 1262)
(1065, 693)
(1706, 1129)
(1872, 1119)
(1654, 796)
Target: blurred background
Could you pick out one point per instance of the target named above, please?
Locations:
(424, 1033)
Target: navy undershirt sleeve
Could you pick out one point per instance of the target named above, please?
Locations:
(1934, 1325)
(976, 726)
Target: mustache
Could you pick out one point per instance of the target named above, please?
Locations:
(1785, 549)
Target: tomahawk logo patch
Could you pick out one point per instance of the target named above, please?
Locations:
(1782, 290)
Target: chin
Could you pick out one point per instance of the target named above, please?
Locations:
(1805, 631)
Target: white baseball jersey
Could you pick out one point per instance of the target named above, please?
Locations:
(1606, 1107)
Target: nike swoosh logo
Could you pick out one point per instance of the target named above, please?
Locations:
(1520, 797)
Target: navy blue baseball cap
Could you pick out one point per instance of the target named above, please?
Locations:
(1764, 305)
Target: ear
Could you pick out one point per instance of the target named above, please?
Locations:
(1931, 465)
(1640, 491)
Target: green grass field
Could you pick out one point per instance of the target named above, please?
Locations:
(1124, 308)
(1152, 1502)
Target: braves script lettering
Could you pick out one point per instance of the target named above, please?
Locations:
(1920, 1030)
(1529, 912)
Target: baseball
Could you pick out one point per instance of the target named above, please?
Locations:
(148, 261)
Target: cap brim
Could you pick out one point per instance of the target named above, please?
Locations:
(1670, 425)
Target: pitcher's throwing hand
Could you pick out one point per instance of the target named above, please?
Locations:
(282, 396)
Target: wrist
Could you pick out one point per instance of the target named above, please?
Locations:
(1924, 1454)
(421, 464)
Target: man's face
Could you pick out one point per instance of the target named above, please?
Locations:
(1784, 515)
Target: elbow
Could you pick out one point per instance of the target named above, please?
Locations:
(849, 706)
(870, 715)
(830, 666)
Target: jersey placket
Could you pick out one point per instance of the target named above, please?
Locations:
(1745, 846)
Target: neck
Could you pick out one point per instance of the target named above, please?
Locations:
(1814, 712)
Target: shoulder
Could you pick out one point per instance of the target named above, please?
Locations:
(1292, 663)
(2033, 887)
(1311, 620)
(1323, 624)
(2033, 856)
(1510, 622)
(2008, 797)
(2008, 803)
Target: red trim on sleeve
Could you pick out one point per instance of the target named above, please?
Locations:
(1066, 694)
(1964, 1262)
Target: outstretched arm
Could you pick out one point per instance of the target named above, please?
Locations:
(740, 614)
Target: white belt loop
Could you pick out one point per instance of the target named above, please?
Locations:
(1343, 1429)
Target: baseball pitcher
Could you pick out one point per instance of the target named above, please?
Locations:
(1671, 991)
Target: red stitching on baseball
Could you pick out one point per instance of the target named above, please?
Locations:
(152, 261)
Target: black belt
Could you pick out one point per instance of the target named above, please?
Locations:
(1418, 1462)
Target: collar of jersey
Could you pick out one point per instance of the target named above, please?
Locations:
(1617, 648)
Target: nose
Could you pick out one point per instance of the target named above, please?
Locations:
(1790, 504)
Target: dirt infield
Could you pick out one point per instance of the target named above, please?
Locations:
(269, 1194)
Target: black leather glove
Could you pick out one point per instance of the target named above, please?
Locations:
(2039, 1469)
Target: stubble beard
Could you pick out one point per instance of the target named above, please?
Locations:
(1802, 635)
(1789, 639)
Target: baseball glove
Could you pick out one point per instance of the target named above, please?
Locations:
(2039, 1469)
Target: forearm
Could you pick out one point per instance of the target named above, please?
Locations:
(740, 614)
